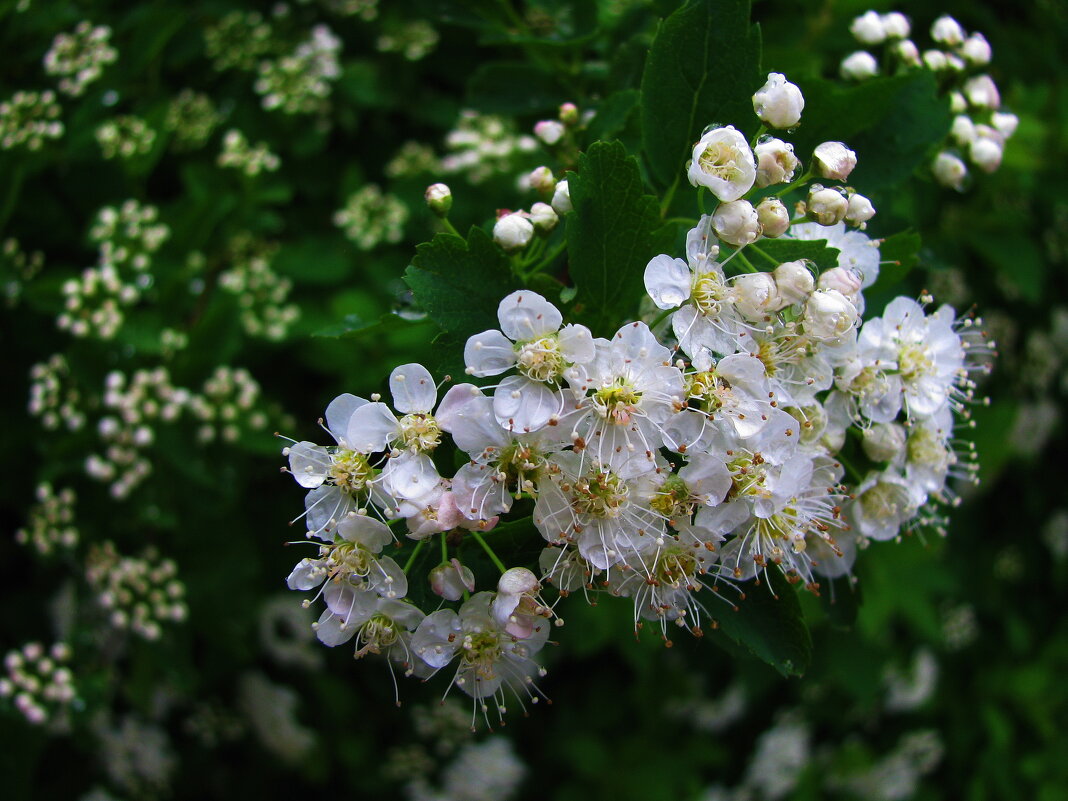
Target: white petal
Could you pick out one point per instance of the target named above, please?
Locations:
(372, 427)
(707, 476)
(437, 638)
(667, 281)
(372, 534)
(330, 632)
(388, 580)
(338, 413)
(411, 477)
(526, 315)
(489, 353)
(523, 405)
(307, 575)
(467, 414)
(576, 343)
(413, 389)
(309, 464)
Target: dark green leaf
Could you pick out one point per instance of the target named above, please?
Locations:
(703, 68)
(353, 326)
(609, 236)
(781, 250)
(613, 114)
(768, 623)
(513, 88)
(460, 284)
(899, 254)
(840, 599)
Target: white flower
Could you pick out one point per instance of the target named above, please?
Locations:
(826, 205)
(859, 66)
(884, 502)
(794, 282)
(976, 50)
(828, 315)
(756, 295)
(549, 131)
(908, 52)
(949, 170)
(736, 222)
(834, 160)
(543, 217)
(723, 161)
(1004, 123)
(856, 250)
(380, 625)
(982, 92)
(869, 28)
(896, 25)
(776, 162)
(947, 31)
(986, 152)
(561, 201)
(513, 231)
(779, 103)
(544, 354)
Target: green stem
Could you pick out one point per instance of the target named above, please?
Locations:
(761, 252)
(489, 551)
(450, 227)
(668, 196)
(701, 200)
(444, 549)
(660, 318)
(790, 187)
(415, 552)
(849, 467)
(745, 263)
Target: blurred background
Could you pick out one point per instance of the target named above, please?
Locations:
(253, 175)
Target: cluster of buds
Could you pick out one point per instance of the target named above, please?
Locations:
(17, 268)
(133, 404)
(239, 154)
(79, 57)
(483, 145)
(54, 397)
(413, 158)
(980, 128)
(50, 526)
(227, 405)
(129, 235)
(238, 41)
(124, 137)
(93, 303)
(366, 10)
(139, 594)
(38, 682)
(371, 217)
(261, 293)
(192, 118)
(300, 82)
(27, 119)
(414, 39)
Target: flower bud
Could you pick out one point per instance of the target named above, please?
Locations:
(776, 162)
(561, 201)
(543, 217)
(834, 160)
(439, 199)
(756, 295)
(884, 442)
(773, 216)
(842, 280)
(976, 50)
(549, 131)
(963, 129)
(828, 315)
(1005, 123)
(825, 205)
(450, 580)
(859, 66)
(794, 282)
(935, 60)
(779, 103)
(982, 92)
(569, 114)
(868, 28)
(907, 51)
(542, 180)
(723, 161)
(516, 581)
(859, 210)
(513, 231)
(736, 222)
(985, 153)
(947, 30)
(896, 25)
(958, 104)
(949, 170)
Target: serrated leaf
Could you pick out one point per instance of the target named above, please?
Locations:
(460, 283)
(703, 68)
(612, 116)
(768, 624)
(782, 250)
(609, 236)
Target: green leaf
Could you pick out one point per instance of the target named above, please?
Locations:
(891, 123)
(768, 624)
(840, 599)
(782, 250)
(899, 254)
(460, 284)
(613, 114)
(353, 326)
(512, 89)
(703, 68)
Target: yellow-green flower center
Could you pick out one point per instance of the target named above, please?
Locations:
(541, 360)
(420, 432)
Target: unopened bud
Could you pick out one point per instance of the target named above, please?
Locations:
(561, 201)
(935, 60)
(756, 295)
(869, 28)
(543, 217)
(859, 66)
(1005, 123)
(907, 51)
(958, 103)
(884, 442)
(778, 102)
(834, 160)
(985, 153)
(859, 210)
(513, 231)
(736, 222)
(949, 170)
(896, 25)
(826, 205)
(947, 30)
(963, 129)
(828, 315)
(773, 216)
(976, 50)
(776, 162)
(549, 131)
(843, 280)
(450, 580)
(569, 114)
(794, 281)
(542, 180)
(516, 581)
(439, 199)
(982, 92)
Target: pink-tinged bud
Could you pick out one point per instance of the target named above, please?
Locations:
(947, 31)
(569, 114)
(896, 25)
(776, 162)
(949, 170)
(542, 180)
(843, 280)
(982, 92)
(513, 231)
(516, 581)
(543, 217)
(736, 222)
(859, 66)
(869, 28)
(450, 580)
(826, 206)
(439, 199)
(756, 295)
(976, 50)
(774, 217)
(834, 160)
(549, 131)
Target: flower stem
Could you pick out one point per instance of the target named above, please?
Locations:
(763, 253)
(489, 551)
(444, 549)
(415, 552)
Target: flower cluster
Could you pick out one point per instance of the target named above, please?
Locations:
(692, 451)
(79, 57)
(482, 145)
(239, 154)
(980, 128)
(124, 137)
(370, 217)
(28, 119)
(414, 39)
(53, 395)
(129, 235)
(51, 521)
(299, 82)
(192, 117)
(17, 268)
(261, 293)
(139, 594)
(238, 41)
(38, 682)
(227, 405)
